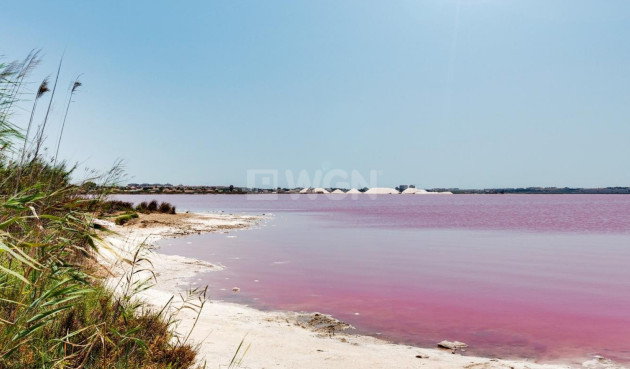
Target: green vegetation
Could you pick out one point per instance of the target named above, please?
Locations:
(54, 309)
(122, 219)
(153, 207)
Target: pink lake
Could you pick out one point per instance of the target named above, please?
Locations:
(545, 277)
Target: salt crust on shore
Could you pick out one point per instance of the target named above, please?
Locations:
(276, 339)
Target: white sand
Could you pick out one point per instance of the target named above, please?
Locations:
(275, 339)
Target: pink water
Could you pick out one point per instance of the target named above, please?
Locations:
(545, 277)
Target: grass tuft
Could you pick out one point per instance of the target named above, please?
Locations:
(122, 219)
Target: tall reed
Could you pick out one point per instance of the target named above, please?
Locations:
(43, 88)
(40, 132)
(12, 79)
(75, 85)
(55, 311)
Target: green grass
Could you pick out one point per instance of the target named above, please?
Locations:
(54, 310)
(122, 219)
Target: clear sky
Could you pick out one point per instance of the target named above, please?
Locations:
(437, 93)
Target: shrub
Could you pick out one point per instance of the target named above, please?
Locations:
(113, 206)
(122, 219)
(143, 207)
(167, 208)
(153, 206)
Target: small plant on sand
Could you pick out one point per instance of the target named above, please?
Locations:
(153, 206)
(143, 207)
(122, 219)
(113, 206)
(166, 208)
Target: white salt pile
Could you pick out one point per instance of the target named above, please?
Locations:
(381, 191)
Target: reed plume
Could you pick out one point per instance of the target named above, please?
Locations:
(40, 133)
(20, 71)
(73, 89)
(43, 88)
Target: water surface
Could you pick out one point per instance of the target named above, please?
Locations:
(545, 277)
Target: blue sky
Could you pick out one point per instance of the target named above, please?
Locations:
(440, 93)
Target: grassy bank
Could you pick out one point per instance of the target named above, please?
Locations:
(54, 310)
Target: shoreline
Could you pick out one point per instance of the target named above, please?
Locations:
(271, 338)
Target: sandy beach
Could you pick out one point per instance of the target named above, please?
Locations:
(270, 339)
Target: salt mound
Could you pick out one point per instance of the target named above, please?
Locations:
(320, 190)
(409, 191)
(445, 193)
(338, 191)
(353, 191)
(381, 191)
(306, 190)
(420, 192)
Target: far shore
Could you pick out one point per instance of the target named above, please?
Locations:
(168, 189)
(270, 339)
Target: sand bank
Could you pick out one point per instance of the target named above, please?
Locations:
(272, 339)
